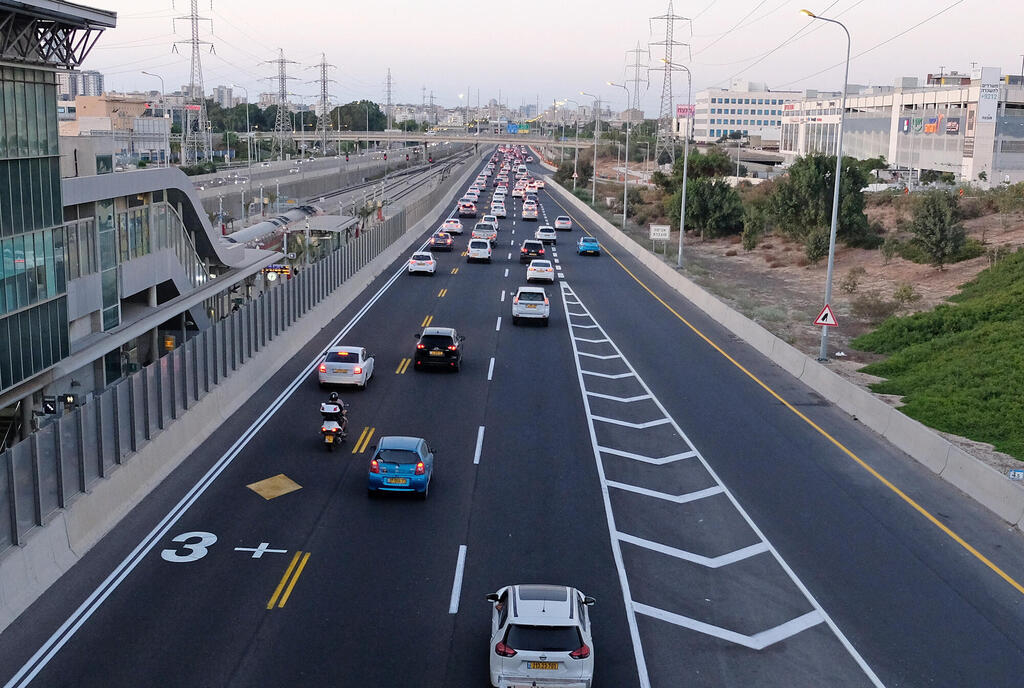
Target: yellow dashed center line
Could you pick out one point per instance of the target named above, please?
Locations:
(426, 321)
(284, 579)
(455, 271)
(863, 464)
(403, 366)
(441, 294)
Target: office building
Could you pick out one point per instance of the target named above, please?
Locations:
(749, 108)
(222, 95)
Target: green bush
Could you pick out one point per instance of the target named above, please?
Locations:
(816, 244)
(873, 307)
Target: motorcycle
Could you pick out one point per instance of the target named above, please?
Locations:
(334, 427)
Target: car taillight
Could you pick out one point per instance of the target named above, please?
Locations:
(545, 301)
(582, 653)
(358, 370)
(540, 252)
(504, 650)
(420, 470)
(452, 347)
(522, 250)
(515, 299)
(421, 346)
(375, 466)
(323, 368)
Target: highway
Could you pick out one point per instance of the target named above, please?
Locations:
(632, 449)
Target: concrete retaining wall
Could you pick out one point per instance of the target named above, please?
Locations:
(27, 571)
(978, 480)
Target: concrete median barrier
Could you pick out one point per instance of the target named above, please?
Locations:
(976, 479)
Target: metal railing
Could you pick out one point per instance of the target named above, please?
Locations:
(58, 463)
(171, 233)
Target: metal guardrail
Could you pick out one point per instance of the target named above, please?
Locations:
(62, 460)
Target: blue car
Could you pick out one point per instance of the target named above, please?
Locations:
(588, 244)
(401, 464)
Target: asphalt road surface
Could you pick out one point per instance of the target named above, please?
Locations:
(632, 449)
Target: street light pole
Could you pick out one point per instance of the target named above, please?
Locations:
(625, 177)
(248, 153)
(823, 351)
(167, 160)
(576, 154)
(597, 127)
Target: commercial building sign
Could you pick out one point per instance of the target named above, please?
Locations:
(953, 126)
(684, 111)
(931, 125)
(988, 95)
(905, 125)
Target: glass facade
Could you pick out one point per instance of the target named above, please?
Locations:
(33, 273)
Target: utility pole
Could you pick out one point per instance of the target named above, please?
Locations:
(638, 69)
(432, 110)
(282, 123)
(665, 141)
(324, 104)
(195, 145)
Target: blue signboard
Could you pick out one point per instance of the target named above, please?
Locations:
(513, 128)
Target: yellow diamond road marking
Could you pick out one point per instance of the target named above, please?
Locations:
(275, 486)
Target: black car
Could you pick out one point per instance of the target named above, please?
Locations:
(441, 241)
(531, 248)
(439, 346)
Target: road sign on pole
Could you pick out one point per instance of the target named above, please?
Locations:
(826, 317)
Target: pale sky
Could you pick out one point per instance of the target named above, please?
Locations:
(550, 48)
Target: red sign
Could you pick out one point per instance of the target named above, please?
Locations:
(193, 107)
(684, 111)
(826, 317)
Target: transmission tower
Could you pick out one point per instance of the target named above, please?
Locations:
(195, 144)
(323, 107)
(639, 71)
(282, 123)
(387, 90)
(665, 139)
(432, 110)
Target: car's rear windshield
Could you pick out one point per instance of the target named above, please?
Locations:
(421, 256)
(541, 264)
(436, 340)
(342, 357)
(402, 456)
(531, 244)
(478, 244)
(543, 638)
(530, 296)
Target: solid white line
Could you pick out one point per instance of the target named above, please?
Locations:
(64, 633)
(758, 641)
(709, 562)
(677, 499)
(479, 444)
(490, 369)
(649, 459)
(617, 376)
(497, 325)
(627, 424)
(598, 357)
(624, 400)
(460, 566)
(591, 341)
(503, 296)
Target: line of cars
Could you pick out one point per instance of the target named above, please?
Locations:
(540, 635)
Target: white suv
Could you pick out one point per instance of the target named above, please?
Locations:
(541, 635)
(530, 303)
(479, 249)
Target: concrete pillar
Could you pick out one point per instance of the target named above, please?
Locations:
(154, 334)
(26, 418)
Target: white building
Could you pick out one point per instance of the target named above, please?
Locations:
(223, 97)
(969, 130)
(749, 108)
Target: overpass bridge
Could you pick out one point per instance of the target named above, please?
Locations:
(429, 137)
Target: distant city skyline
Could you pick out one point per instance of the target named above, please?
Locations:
(543, 51)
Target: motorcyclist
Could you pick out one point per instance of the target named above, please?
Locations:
(338, 416)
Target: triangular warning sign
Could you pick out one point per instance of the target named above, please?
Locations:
(826, 317)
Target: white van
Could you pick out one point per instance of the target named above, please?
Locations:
(479, 249)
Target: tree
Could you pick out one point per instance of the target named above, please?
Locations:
(802, 200)
(713, 163)
(353, 116)
(983, 176)
(712, 206)
(936, 226)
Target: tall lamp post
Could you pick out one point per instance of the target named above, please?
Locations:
(625, 177)
(686, 158)
(576, 154)
(167, 160)
(823, 352)
(248, 138)
(597, 126)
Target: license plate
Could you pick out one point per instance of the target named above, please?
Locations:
(329, 439)
(551, 666)
(531, 305)
(437, 353)
(397, 481)
(340, 371)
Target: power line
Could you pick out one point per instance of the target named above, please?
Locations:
(734, 28)
(879, 45)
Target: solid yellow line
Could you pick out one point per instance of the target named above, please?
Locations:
(863, 464)
(355, 448)
(291, 585)
(365, 442)
(284, 578)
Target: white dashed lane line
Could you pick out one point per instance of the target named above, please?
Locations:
(490, 369)
(506, 272)
(497, 325)
(503, 296)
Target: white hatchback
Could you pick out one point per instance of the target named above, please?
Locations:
(547, 234)
(540, 270)
(530, 303)
(452, 225)
(541, 636)
(422, 262)
(345, 365)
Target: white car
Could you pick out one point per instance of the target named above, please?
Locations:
(491, 220)
(531, 303)
(478, 249)
(345, 365)
(483, 230)
(541, 636)
(498, 210)
(452, 225)
(422, 262)
(563, 222)
(530, 211)
(518, 192)
(540, 270)
(547, 234)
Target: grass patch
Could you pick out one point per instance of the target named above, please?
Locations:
(960, 367)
